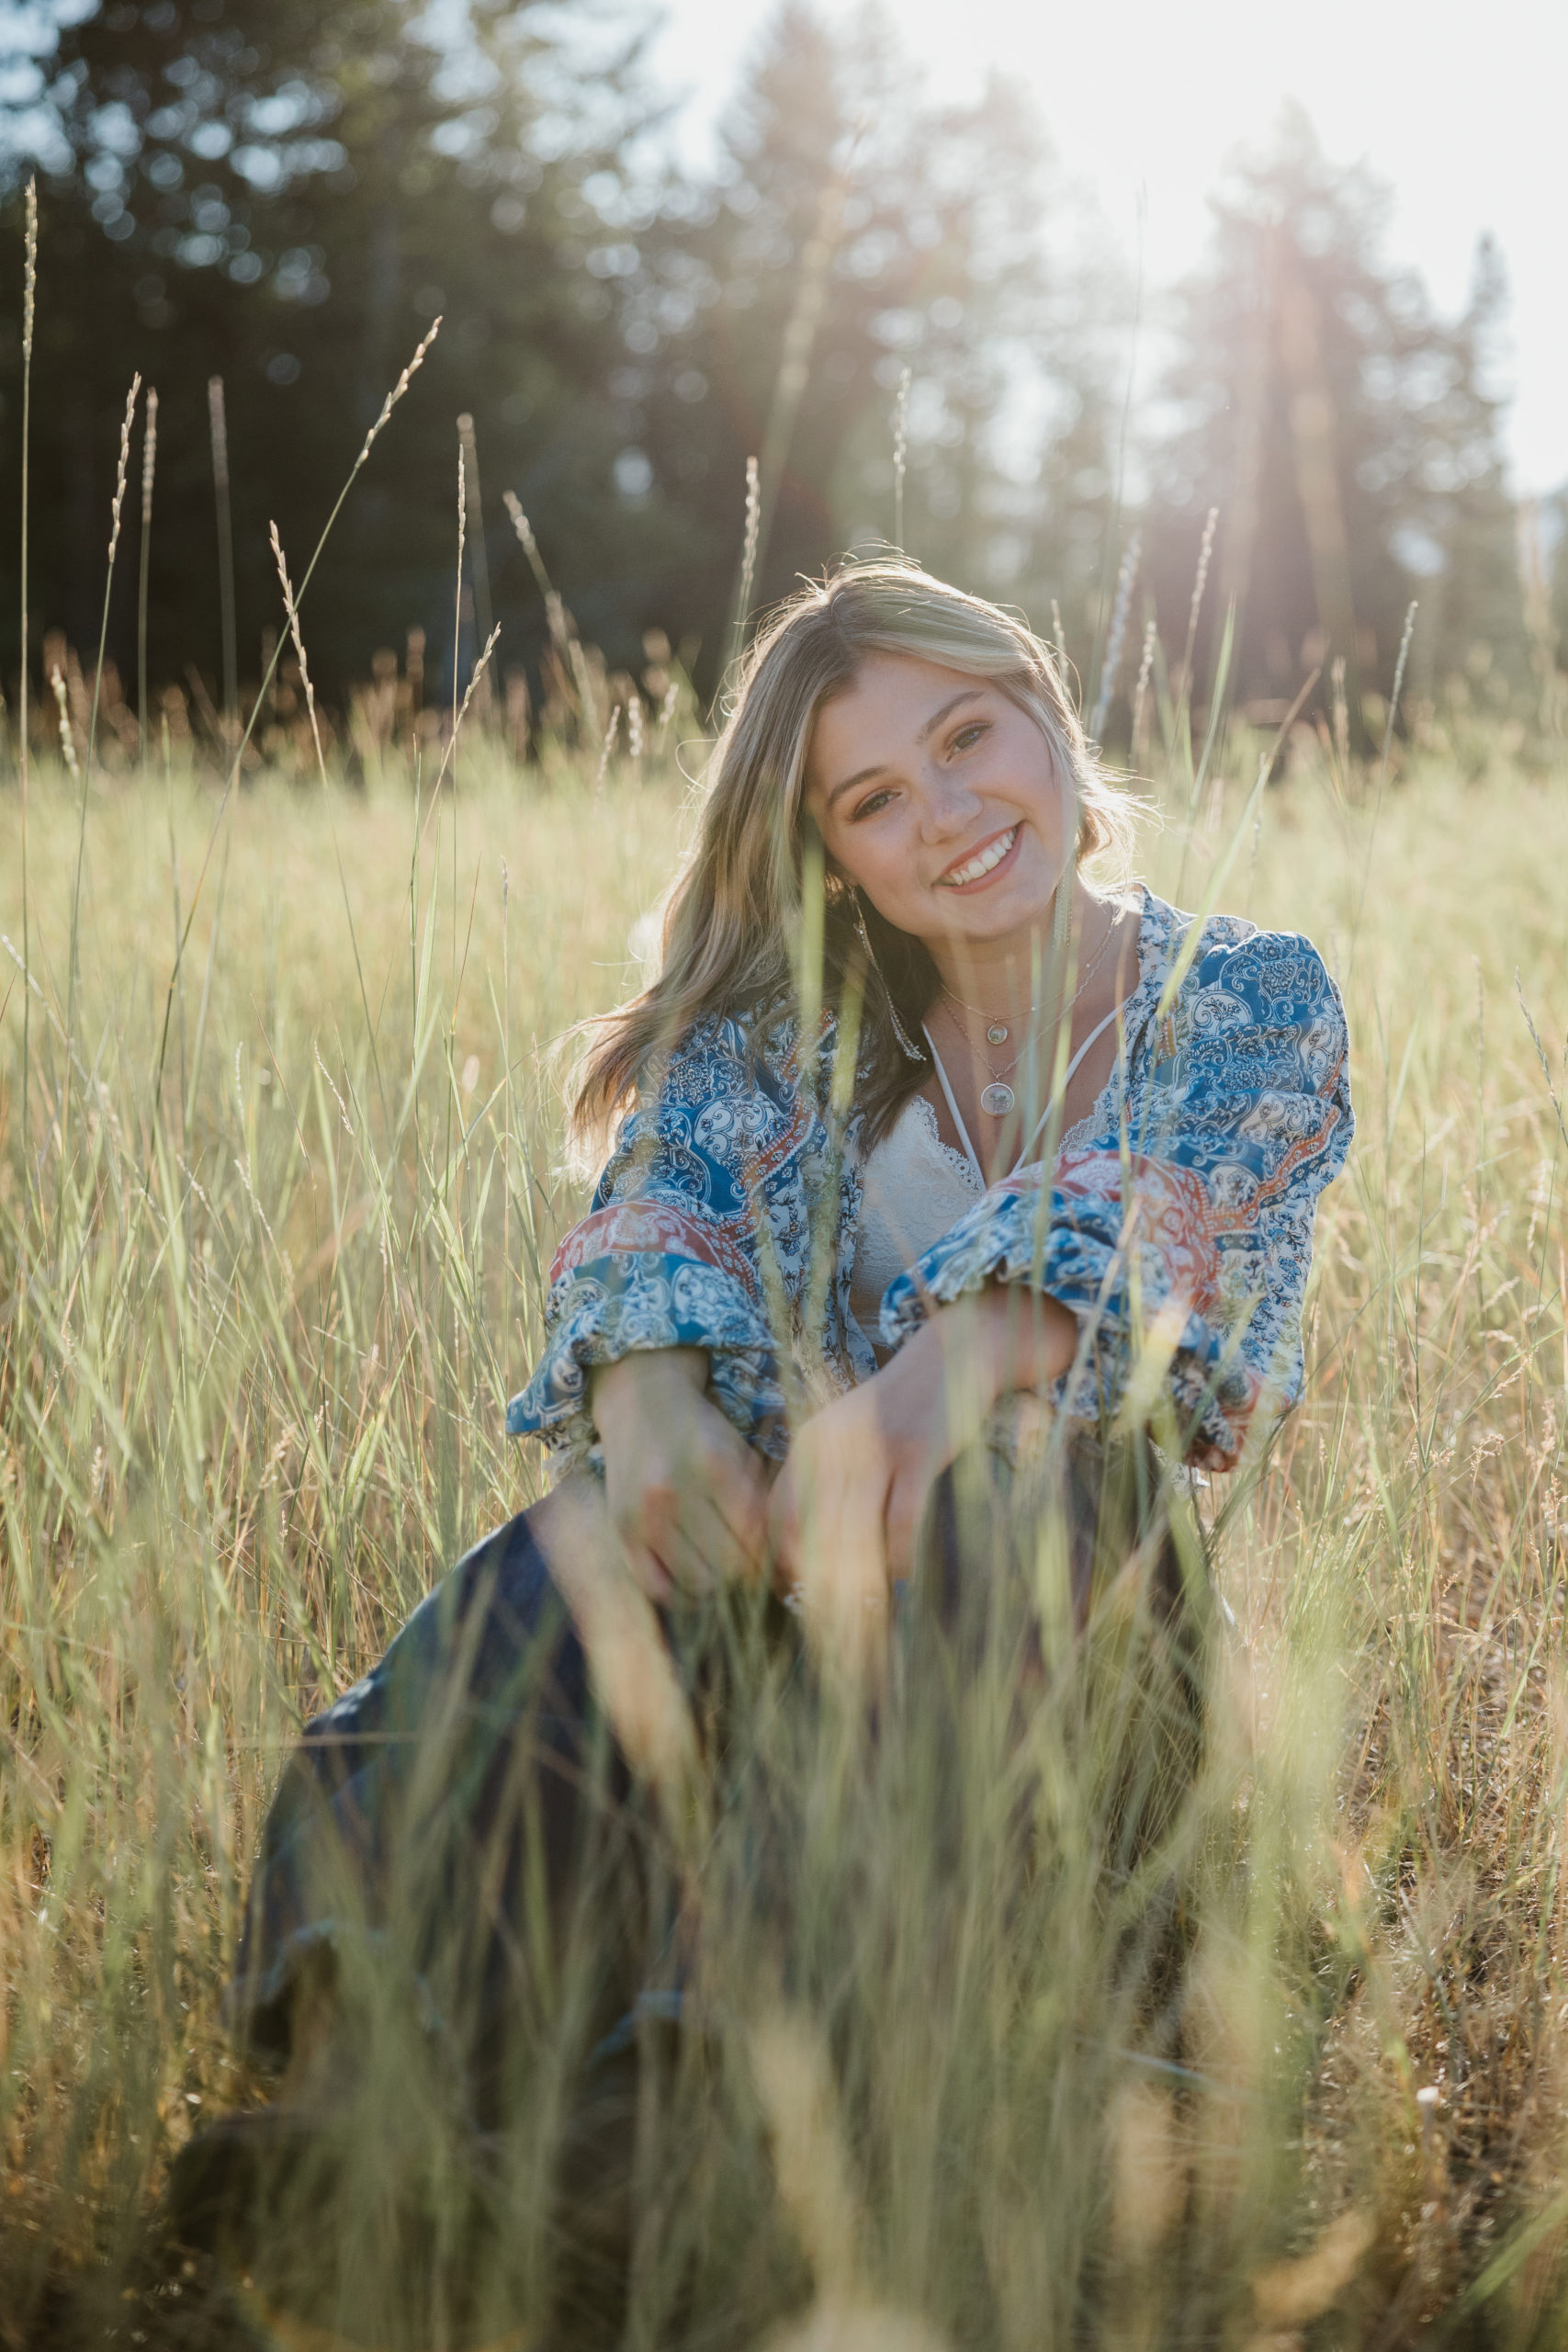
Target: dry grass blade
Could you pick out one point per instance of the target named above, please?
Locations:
(563, 636)
(393, 397)
(292, 614)
(217, 425)
(1126, 579)
(1140, 692)
(29, 298)
(67, 739)
(149, 476)
(1199, 582)
(751, 540)
(387, 405)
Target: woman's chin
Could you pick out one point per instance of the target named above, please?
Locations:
(987, 914)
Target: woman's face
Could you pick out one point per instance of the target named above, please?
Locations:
(939, 798)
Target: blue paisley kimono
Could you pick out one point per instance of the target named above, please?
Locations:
(1179, 1214)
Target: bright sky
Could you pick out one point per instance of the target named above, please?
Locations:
(1459, 109)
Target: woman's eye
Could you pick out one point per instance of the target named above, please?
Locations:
(969, 735)
(870, 805)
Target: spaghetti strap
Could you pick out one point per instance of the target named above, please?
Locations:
(1067, 1076)
(1070, 1073)
(973, 1157)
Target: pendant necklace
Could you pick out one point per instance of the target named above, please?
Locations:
(997, 1099)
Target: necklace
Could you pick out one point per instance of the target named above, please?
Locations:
(997, 1099)
(997, 1030)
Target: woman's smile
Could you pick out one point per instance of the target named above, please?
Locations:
(931, 788)
(978, 865)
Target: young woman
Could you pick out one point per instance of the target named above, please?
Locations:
(915, 1120)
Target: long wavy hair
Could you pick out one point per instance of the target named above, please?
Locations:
(733, 918)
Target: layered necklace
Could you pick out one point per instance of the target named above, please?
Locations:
(998, 1098)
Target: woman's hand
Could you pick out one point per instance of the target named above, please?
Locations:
(846, 1513)
(687, 1496)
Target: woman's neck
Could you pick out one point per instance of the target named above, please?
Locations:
(1008, 977)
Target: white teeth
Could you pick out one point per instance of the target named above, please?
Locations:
(982, 861)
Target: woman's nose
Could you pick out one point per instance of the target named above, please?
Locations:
(947, 805)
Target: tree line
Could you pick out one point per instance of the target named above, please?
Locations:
(887, 300)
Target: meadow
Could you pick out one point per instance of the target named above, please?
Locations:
(274, 1221)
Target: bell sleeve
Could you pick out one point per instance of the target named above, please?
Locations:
(667, 1256)
(1182, 1247)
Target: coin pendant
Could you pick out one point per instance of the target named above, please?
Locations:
(998, 1100)
(997, 1033)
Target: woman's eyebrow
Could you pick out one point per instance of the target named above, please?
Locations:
(861, 775)
(966, 694)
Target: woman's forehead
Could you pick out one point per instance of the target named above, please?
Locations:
(892, 698)
(894, 681)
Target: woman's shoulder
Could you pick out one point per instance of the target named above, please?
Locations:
(1247, 1049)
(746, 1049)
(1270, 975)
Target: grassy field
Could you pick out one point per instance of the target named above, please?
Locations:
(257, 1325)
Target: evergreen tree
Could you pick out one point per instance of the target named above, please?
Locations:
(853, 231)
(1345, 433)
(244, 188)
(230, 187)
(1068, 512)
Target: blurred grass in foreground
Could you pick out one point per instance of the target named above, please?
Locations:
(252, 1361)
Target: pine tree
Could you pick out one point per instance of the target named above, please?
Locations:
(854, 231)
(1345, 433)
(239, 187)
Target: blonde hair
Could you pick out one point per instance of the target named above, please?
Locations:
(734, 910)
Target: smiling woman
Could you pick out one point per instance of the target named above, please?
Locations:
(903, 770)
(914, 1122)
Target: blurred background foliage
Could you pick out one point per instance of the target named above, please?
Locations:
(287, 195)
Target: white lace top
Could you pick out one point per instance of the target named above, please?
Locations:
(913, 1188)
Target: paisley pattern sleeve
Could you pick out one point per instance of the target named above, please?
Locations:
(1183, 1247)
(667, 1256)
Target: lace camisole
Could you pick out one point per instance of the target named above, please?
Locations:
(914, 1187)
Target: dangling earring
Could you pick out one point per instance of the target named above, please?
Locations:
(910, 1051)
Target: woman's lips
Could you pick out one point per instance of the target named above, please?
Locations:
(982, 864)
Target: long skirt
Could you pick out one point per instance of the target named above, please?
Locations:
(464, 1825)
(478, 1934)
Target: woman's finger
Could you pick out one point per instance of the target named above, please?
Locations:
(838, 1559)
(740, 1499)
(783, 1529)
(626, 1657)
(844, 1589)
(648, 1572)
(728, 1559)
(699, 1550)
(907, 1500)
(690, 1554)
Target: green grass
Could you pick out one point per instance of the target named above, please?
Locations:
(257, 1334)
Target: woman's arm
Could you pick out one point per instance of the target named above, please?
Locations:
(847, 1509)
(666, 1257)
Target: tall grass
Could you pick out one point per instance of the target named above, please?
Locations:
(259, 1323)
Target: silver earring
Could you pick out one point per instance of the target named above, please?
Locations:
(909, 1050)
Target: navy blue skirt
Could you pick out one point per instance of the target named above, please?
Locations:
(463, 1798)
(461, 1827)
